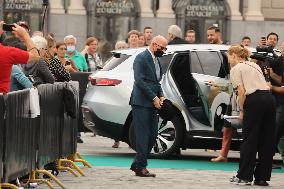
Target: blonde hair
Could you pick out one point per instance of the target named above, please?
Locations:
(240, 51)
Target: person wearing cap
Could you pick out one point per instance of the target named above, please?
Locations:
(11, 55)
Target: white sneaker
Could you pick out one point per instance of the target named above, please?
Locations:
(235, 180)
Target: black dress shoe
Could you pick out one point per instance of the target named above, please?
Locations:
(79, 140)
(144, 173)
(261, 183)
(134, 168)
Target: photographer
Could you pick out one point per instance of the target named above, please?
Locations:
(11, 55)
(278, 92)
(273, 70)
(266, 58)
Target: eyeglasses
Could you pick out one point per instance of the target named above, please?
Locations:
(162, 48)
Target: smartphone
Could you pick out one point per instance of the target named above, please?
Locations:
(263, 40)
(8, 27)
(67, 63)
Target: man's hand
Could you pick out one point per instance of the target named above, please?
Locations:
(157, 103)
(162, 100)
(262, 42)
(1, 27)
(20, 32)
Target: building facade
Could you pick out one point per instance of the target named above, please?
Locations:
(110, 20)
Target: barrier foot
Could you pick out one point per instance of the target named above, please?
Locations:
(45, 172)
(71, 164)
(7, 185)
(78, 158)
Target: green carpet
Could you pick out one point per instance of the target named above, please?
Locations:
(118, 161)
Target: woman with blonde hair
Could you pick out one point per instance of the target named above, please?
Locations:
(257, 111)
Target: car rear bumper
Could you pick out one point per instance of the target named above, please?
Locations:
(100, 126)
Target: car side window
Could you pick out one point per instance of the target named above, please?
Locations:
(165, 62)
(211, 62)
(195, 65)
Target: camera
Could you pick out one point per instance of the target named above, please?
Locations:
(68, 62)
(265, 56)
(8, 27)
(265, 48)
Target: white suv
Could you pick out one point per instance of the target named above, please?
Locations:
(186, 72)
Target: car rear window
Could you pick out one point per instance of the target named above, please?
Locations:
(114, 61)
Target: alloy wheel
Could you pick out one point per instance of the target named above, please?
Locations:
(166, 137)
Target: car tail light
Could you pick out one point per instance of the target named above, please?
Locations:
(104, 81)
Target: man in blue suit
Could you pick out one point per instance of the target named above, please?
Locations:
(146, 98)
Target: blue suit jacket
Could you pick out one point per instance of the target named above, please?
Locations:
(146, 85)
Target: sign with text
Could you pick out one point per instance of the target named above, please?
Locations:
(210, 8)
(115, 7)
(1, 9)
(23, 5)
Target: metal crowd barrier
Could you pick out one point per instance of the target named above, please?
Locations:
(20, 135)
(82, 78)
(27, 144)
(69, 128)
(51, 114)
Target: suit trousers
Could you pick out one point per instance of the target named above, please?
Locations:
(258, 136)
(145, 120)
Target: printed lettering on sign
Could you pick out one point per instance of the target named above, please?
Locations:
(22, 4)
(115, 7)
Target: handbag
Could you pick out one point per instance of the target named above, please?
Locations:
(233, 112)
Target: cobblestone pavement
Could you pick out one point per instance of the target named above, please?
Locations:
(118, 177)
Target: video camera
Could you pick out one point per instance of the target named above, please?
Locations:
(266, 55)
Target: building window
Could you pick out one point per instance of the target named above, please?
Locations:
(111, 20)
(28, 10)
(198, 15)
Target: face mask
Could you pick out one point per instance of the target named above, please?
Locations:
(71, 48)
(158, 53)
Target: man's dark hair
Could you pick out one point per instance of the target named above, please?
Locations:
(216, 29)
(272, 33)
(246, 37)
(147, 27)
(14, 42)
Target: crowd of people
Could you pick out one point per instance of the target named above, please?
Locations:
(30, 58)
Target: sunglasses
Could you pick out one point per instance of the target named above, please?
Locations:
(62, 49)
(162, 48)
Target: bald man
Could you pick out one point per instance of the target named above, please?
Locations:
(146, 97)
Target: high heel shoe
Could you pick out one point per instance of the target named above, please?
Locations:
(219, 159)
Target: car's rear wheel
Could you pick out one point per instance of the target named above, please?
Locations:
(169, 139)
